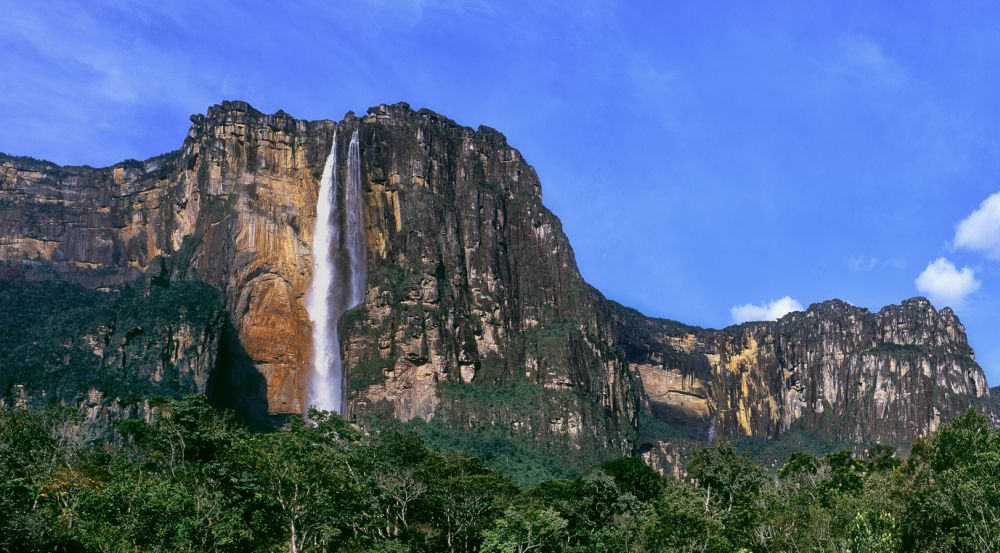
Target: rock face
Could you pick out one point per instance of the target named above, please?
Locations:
(108, 353)
(475, 317)
(838, 371)
(236, 202)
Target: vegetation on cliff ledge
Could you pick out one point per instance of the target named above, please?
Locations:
(60, 342)
(194, 480)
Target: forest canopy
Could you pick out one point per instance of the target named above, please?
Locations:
(195, 480)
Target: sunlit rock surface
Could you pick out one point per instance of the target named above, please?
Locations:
(475, 316)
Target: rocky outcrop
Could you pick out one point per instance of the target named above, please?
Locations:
(107, 353)
(840, 372)
(474, 283)
(236, 201)
(475, 317)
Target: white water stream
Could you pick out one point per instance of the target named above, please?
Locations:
(340, 270)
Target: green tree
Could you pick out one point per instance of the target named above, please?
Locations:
(635, 477)
(732, 483)
(462, 500)
(953, 500)
(800, 465)
(845, 474)
(524, 529)
(40, 477)
(873, 534)
(683, 522)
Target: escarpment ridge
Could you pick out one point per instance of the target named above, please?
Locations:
(475, 325)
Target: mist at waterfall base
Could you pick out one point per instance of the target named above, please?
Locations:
(340, 269)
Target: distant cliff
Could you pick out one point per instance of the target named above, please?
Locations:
(476, 325)
(838, 372)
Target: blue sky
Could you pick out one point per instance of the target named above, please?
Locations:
(706, 159)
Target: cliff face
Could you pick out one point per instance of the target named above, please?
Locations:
(475, 318)
(839, 372)
(108, 353)
(474, 295)
(236, 202)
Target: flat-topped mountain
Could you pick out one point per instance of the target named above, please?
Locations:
(476, 326)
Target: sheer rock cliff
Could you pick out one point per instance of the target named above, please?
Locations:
(475, 319)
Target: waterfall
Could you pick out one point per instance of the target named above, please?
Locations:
(356, 248)
(340, 271)
(321, 390)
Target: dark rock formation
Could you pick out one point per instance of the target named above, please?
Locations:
(476, 318)
(108, 353)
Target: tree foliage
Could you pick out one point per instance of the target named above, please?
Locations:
(195, 480)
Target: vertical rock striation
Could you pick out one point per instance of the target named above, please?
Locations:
(474, 318)
(236, 202)
(839, 372)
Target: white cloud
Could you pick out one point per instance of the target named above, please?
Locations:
(980, 231)
(768, 311)
(945, 284)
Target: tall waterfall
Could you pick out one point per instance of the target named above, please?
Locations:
(357, 250)
(340, 270)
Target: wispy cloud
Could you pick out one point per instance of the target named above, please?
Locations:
(88, 68)
(864, 263)
(75, 54)
(767, 311)
(864, 61)
(657, 86)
